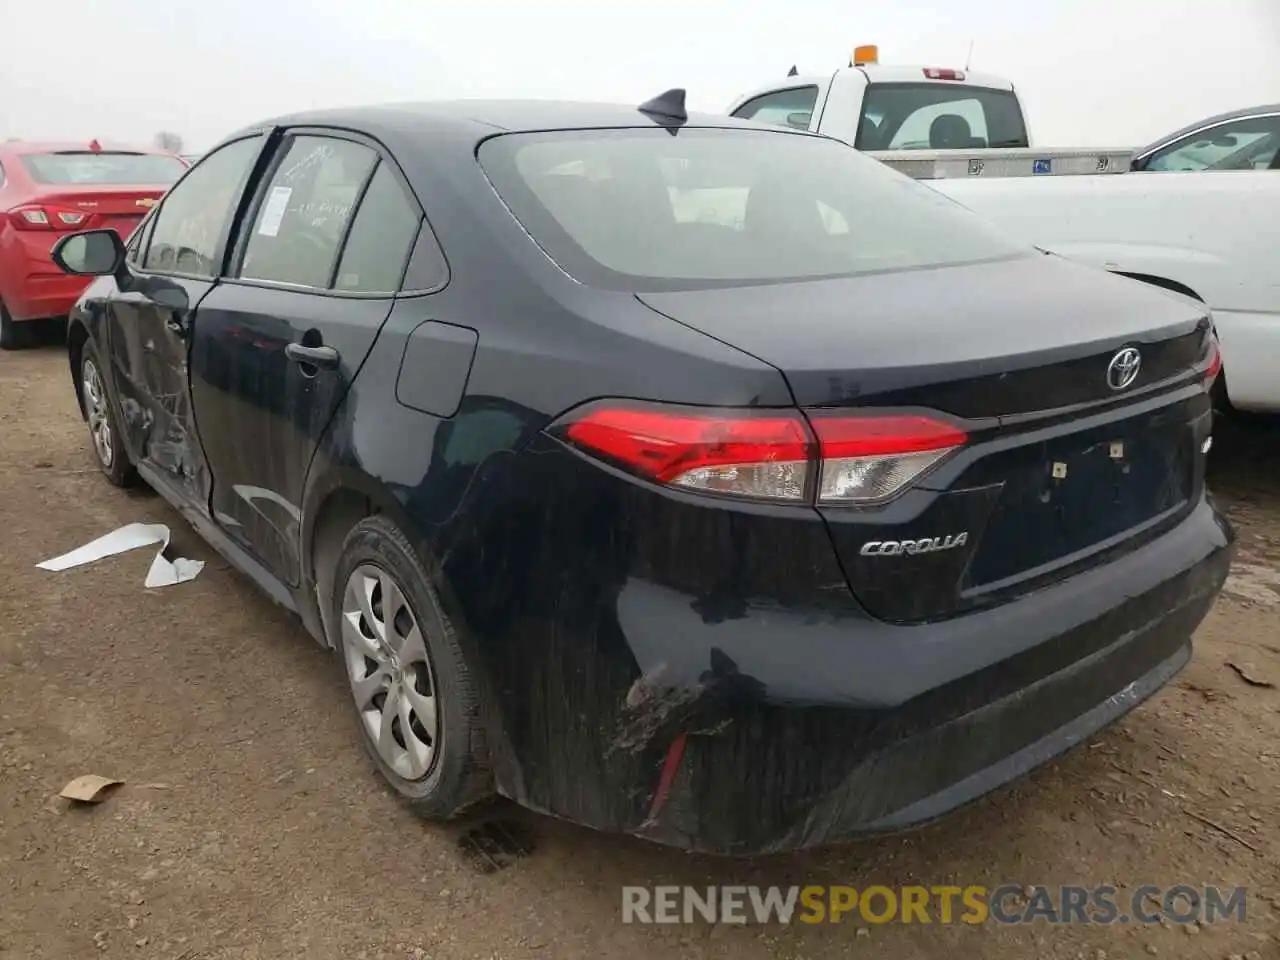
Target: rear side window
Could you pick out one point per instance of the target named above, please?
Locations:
(106, 168)
(788, 108)
(195, 214)
(305, 210)
(381, 234)
(939, 116)
(641, 209)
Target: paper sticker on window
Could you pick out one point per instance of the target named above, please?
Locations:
(273, 211)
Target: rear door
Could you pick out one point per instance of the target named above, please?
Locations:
(173, 265)
(314, 275)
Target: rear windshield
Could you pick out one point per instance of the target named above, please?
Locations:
(104, 168)
(641, 209)
(939, 116)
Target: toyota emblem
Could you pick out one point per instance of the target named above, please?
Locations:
(1123, 369)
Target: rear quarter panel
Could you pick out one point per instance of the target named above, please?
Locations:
(1216, 234)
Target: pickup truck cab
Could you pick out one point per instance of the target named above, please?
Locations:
(875, 107)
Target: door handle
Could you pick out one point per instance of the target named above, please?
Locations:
(326, 357)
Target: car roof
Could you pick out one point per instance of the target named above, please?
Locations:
(478, 119)
(1208, 122)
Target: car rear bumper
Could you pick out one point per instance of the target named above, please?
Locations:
(755, 727)
(759, 777)
(43, 298)
(33, 287)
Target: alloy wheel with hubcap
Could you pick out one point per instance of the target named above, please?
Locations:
(95, 406)
(418, 704)
(390, 672)
(104, 427)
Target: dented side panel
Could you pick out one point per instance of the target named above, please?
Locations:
(148, 329)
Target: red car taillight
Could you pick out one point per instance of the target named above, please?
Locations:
(1215, 362)
(37, 217)
(776, 455)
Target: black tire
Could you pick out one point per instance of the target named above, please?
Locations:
(118, 469)
(14, 335)
(458, 776)
(1218, 396)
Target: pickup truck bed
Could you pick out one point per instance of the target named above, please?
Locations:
(1008, 162)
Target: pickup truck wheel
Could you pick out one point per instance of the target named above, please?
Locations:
(104, 430)
(417, 706)
(13, 335)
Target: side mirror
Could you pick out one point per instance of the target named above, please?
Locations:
(93, 253)
(800, 119)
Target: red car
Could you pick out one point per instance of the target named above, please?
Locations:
(48, 190)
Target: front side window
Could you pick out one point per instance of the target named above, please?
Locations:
(1248, 144)
(939, 116)
(303, 215)
(195, 214)
(788, 108)
(642, 210)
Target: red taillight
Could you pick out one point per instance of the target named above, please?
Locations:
(763, 455)
(869, 459)
(940, 73)
(1215, 362)
(37, 217)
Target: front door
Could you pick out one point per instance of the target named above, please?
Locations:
(279, 341)
(171, 269)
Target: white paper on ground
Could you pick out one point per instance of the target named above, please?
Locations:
(163, 572)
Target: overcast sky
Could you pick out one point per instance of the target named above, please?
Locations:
(1091, 72)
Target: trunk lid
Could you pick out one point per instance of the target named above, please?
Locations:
(1061, 471)
(116, 208)
(1025, 330)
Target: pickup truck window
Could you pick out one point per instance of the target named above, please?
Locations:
(643, 210)
(788, 108)
(1251, 143)
(937, 116)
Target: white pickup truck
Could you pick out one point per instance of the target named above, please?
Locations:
(1212, 234)
(926, 122)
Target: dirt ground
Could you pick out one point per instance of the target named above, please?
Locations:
(250, 825)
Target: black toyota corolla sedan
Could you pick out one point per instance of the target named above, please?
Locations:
(671, 474)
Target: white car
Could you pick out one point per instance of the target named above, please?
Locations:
(1214, 236)
(1246, 139)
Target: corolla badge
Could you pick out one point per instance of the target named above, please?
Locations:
(1123, 369)
(895, 548)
